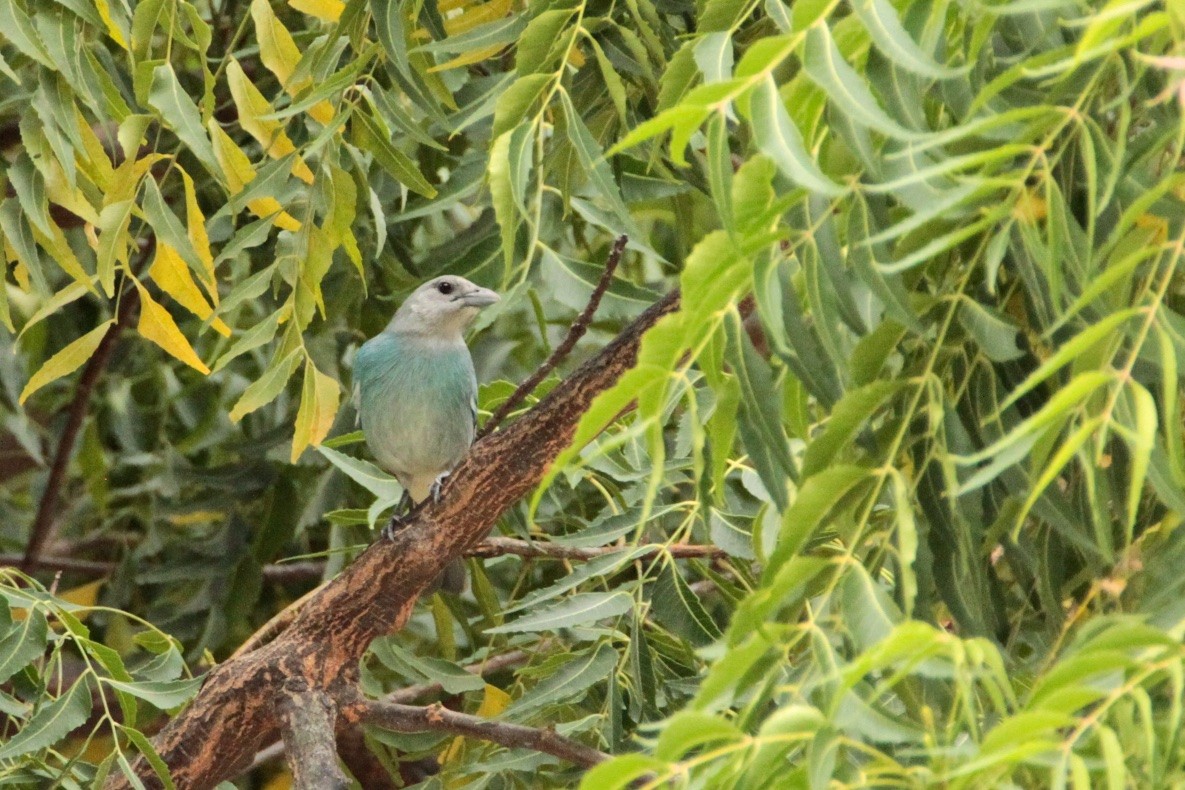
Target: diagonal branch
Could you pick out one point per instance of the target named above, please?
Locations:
(43, 522)
(234, 714)
(575, 332)
(437, 718)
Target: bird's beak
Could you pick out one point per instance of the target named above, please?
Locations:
(481, 297)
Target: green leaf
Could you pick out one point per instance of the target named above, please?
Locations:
(993, 333)
(514, 102)
(779, 139)
(537, 42)
(576, 675)
(884, 26)
(23, 641)
(51, 723)
(451, 677)
(621, 772)
(1075, 347)
(689, 729)
(368, 134)
(847, 416)
(828, 69)
(677, 607)
(174, 106)
(365, 474)
(596, 568)
(578, 609)
(66, 361)
(269, 385)
(760, 414)
(164, 694)
(816, 499)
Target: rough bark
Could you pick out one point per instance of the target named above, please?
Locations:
(235, 713)
(309, 724)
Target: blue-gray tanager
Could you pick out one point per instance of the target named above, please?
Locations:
(417, 392)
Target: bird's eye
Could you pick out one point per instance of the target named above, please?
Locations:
(445, 287)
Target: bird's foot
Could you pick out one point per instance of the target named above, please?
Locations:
(438, 484)
(400, 517)
(394, 526)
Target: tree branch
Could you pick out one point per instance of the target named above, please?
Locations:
(437, 718)
(43, 522)
(410, 694)
(234, 714)
(309, 722)
(577, 330)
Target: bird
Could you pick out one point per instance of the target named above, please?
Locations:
(416, 392)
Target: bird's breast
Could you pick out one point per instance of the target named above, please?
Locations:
(415, 405)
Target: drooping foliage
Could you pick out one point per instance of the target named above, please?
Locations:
(922, 393)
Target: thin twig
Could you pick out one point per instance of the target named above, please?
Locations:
(496, 547)
(280, 573)
(437, 718)
(579, 327)
(43, 522)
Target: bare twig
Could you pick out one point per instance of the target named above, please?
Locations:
(496, 547)
(43, 522)
(279, 572)
(437, 718)
(579, 327)
(309, 724)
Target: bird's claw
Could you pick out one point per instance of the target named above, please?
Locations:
(438, 484)
(394, 526)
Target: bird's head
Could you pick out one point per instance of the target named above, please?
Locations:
(443, 306)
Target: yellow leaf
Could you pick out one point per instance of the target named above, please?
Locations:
(66, 361)
(1030, 207)
(476, 56)
(326, 10)
(319, 400)
(277, 50)
(1158, 225)
(112, 29)
(279, 53)
(252, 107)
(237, 169)
(158, 326)
(84, 595)
(493, 702)
(477, 15)
(195, 222)
(97, 162)
(196, 517)
(60, 191)
(169, 271)
(20, 273)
